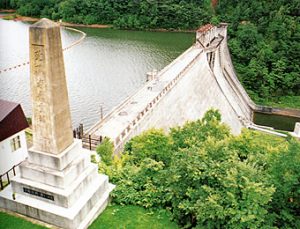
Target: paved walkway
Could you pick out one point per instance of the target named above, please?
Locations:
(123, 118)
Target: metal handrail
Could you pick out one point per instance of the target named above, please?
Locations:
(7, 175)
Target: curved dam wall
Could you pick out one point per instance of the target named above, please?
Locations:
(228, 82)
(195, 93)
(199, 79)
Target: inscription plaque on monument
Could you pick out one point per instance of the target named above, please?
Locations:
(37, 193)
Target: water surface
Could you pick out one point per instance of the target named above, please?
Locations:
(279, 122)
(107, 67)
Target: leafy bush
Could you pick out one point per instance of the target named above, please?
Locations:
(208, 178)
(152, 144)
(105, 151)
(284, 169)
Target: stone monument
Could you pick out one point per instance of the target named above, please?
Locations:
(57, 184)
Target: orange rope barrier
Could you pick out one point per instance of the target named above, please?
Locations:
(64, 49)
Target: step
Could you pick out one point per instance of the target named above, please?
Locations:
(53, 177)
(57, 162)
(57, 196)
(80, 215)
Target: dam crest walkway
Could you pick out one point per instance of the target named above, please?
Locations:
(201, 78)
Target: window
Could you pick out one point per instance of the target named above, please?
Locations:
(15, 143)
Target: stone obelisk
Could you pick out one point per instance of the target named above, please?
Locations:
(57, 184)
(51, 114)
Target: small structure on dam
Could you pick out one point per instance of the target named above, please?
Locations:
(57, 184)
(201, 78)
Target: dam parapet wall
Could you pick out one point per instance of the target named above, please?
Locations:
(201, 78)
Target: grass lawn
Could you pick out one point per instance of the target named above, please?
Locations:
(282, 102)
(114, 217)
(28, 134)
(12, 222)
(261, 138)
(131, 217)
(4, 183)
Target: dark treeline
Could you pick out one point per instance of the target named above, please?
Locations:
(132, 14)
(264, 35)
(265, 45)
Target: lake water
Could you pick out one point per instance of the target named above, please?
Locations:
(278, 122)
(107, 67)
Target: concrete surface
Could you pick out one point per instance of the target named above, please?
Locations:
(199, 79)
(51, 119)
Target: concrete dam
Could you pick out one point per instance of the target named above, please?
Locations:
(201, 78)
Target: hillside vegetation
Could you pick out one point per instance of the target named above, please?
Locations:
(208, 178)
(264, 35)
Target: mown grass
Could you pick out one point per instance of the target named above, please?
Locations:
(114, 217)
(281, 102)
(28, 134)
(12, 222)
(4, 183)
(262, 138)
(9, 17)
(133, 217)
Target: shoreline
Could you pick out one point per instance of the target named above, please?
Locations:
(7, 11)
(16, 17)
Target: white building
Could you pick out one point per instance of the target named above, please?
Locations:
(13, 147)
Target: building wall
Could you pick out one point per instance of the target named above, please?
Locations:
(8, 158)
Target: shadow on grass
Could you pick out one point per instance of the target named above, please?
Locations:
(114, 217)
(131, 217)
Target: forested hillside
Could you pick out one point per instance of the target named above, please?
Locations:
(264, 35)
(265, 45)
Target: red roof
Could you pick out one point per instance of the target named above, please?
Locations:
(205, 28)
(12, 119)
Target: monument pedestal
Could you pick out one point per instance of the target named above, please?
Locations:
(57, 184)
(68, 193)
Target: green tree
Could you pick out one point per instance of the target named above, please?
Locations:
(211, 187)
(105, 150)
(213, 179)
(284, 169)
(154, 144)
(194, 133)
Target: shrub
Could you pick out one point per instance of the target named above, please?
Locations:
(211, 179)
(105, 151)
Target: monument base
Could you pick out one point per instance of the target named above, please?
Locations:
(71, 196)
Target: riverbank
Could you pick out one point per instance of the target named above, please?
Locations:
(7, 11)
(292, 102)
(12, 16)
(16, 17)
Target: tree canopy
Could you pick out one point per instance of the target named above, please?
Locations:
(209, 178)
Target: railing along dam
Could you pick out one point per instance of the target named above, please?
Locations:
(201, 78)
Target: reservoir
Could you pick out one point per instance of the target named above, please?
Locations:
(107, 67)
(102, 71)
(278, 122)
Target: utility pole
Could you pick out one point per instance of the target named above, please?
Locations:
(101, 111)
